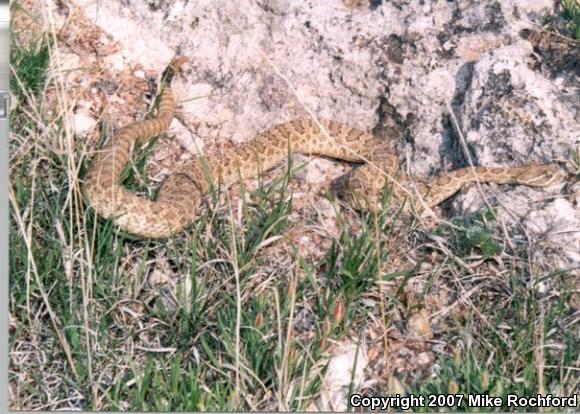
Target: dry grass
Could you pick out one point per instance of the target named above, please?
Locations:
(242, 310)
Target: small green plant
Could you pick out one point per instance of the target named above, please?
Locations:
(472, 235)
(477, 237)
(352, 263)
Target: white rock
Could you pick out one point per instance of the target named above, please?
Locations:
(82, 123)
(346, 366)
(558, 224)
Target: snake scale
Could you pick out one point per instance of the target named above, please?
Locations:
(181, 193)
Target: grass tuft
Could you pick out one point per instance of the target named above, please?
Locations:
(571, 12)
(31, 67)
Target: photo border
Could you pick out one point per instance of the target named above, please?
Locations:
(4, 217)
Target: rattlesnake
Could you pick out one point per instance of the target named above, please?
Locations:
(181, 193)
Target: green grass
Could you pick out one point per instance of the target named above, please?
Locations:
(571, 12)
(519, 349)
(30, 64)
(249, 324)
(513, 344)
(90, 271)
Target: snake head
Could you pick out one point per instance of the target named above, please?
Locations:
(541, 175)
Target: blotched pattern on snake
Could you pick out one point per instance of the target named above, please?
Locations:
(181, 193)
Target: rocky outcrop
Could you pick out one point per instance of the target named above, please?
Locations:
(397, 68)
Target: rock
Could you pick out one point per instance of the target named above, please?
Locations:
(393, 67)
(82, 123)
(346, 368)
(553, 224)
(419, 328)
(512, 115)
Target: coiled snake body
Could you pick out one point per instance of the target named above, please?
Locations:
(181, 193)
